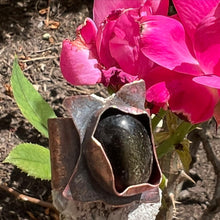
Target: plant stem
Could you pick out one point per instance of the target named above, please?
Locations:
(157, 118)
(28, 198)
(168, 145)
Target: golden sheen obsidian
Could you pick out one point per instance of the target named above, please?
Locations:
(128, 147)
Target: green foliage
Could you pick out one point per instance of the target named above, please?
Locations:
(160, 137)
(32, 159)
(171, 122)
(32, 105)
(157, 118)
(184, 154)
(168, 145)
(163, 183)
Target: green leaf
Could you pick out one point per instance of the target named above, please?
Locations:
(160, 137)
(34, 108)
(172, 122)
(176, 138)
(32, 159)
(163, 183)
(184, 154)
(157, 118)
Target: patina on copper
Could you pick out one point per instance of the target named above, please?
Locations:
(64, 150)
(80, 166)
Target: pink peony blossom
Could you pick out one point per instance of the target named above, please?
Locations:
(108, 49)
(178, 57)
(187, 48)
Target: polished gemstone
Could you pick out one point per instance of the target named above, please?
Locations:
(128, 147)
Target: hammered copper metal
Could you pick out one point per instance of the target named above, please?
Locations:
(90, 177)
(64, 150)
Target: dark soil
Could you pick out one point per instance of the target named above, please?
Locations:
(21, 32)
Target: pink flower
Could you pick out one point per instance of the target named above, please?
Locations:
(187, 47)
(108, 49)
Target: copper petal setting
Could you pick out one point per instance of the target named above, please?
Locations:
(116, 169)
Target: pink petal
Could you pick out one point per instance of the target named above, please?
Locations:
(191, 12)
(157, 75)
(212, 81)
(193, 101)
(78, 64)
(88, 31)
(189, 41)
(124, 45)
(102, 9)
(207, 42)
(158, 94)
(186, 98)
(115, 78)
(159, 7)
(163, 41)
(102, 41)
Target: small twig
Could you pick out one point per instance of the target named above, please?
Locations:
(214, 204)
(7, 64)
(38, 58)
(49, 48)
(28, 198)
(48, 13)
(210, 152)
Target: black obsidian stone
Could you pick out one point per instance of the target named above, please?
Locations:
(128, 147)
